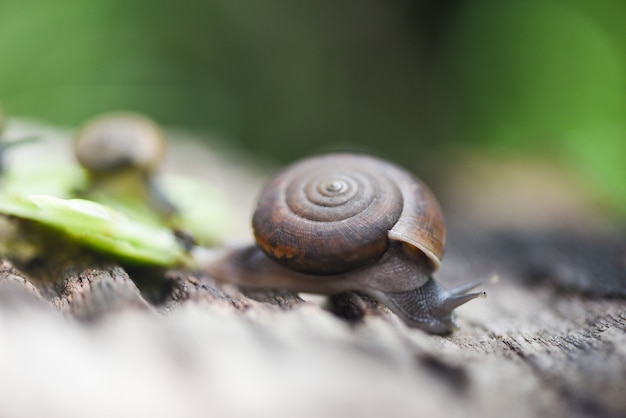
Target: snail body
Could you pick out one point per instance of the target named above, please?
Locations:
(121, 152)
(346, 222)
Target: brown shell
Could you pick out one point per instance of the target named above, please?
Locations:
(421, 224)
(333, 213)
(120, 140)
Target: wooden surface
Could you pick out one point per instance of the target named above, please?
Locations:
(82, 336)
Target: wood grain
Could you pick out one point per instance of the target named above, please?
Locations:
(84, 336)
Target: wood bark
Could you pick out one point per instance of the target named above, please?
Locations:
(533, 348)
(81, 335)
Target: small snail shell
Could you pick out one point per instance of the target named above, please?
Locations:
(120, 140)
(347, 222)
(122, 149)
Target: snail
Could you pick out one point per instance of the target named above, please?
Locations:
(121, 152)
(345, 222)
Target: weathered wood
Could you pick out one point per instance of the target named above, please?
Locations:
(15, 289)
(529, 351)
(182, 287)
(91, 292)
(76, 281)
(550, 339)
(284, 299)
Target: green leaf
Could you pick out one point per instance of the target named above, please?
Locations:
(98, 227)
(203, 211)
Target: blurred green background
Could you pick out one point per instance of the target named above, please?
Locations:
(408, 80)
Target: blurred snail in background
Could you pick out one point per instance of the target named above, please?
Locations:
(347, 222)
(121, 152)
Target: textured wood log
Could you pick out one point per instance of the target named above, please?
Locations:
(531, 350)
(550, 339)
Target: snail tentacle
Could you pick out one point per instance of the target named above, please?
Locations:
(429, 307)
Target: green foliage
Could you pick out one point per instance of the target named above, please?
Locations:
(98, 227)
(550, 77)
(405, 80)
(124, 228)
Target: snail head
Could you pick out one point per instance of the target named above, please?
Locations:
(430, 307)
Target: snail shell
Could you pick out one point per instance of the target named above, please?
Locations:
(331, 214)
(119, 140)
(121, 152)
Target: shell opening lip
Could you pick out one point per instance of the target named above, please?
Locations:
(436, 262)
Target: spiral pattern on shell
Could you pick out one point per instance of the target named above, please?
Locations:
(120, 140)
(331, 214)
